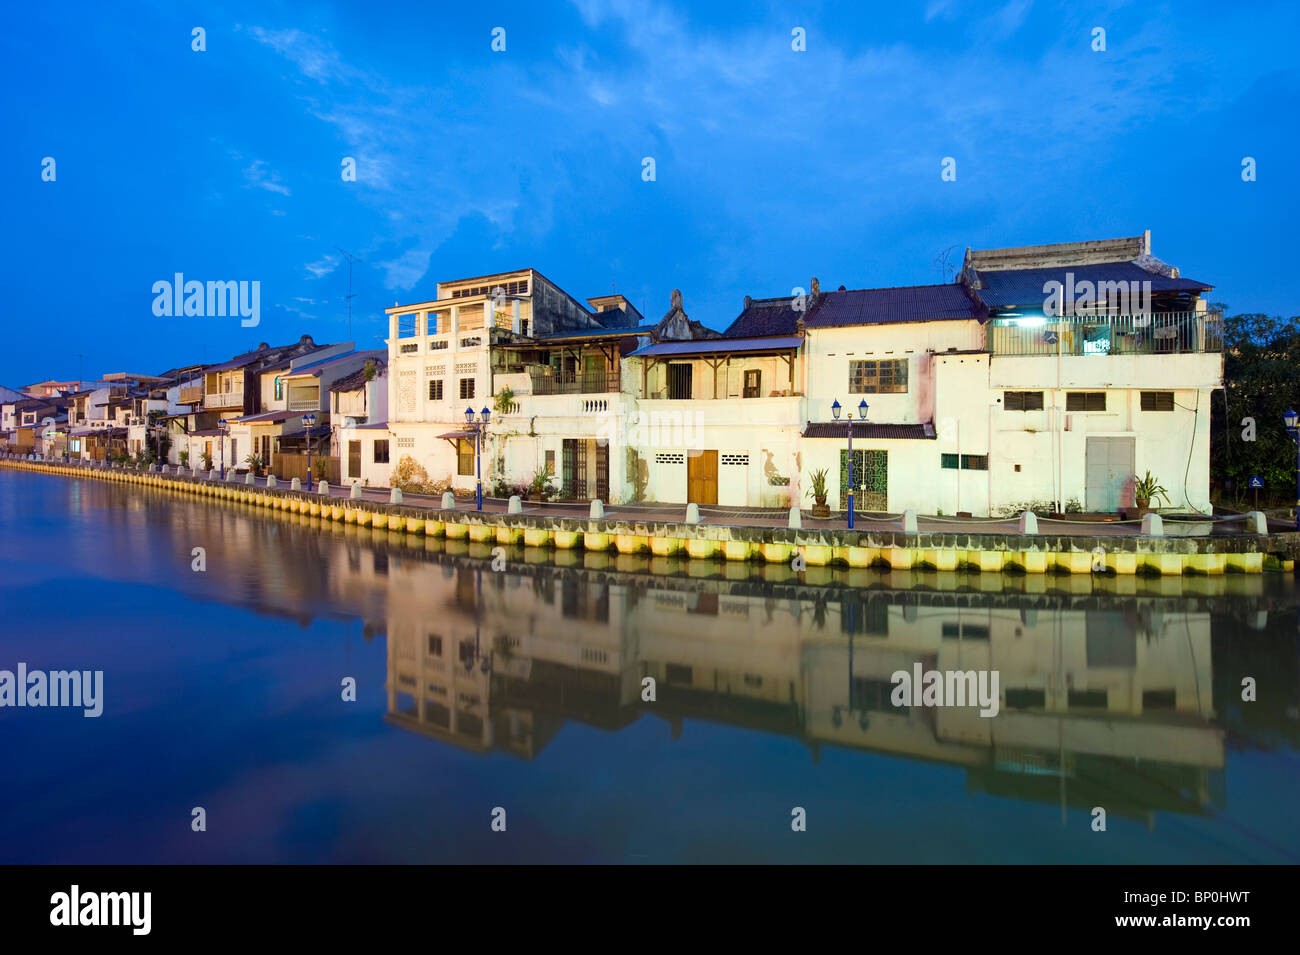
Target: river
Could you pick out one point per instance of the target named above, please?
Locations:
(510, 689)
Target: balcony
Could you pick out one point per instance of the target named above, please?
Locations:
(1162, 333)
(586, 383)
(231, 399)
(190, 394)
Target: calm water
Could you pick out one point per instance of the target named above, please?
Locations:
(522, 689)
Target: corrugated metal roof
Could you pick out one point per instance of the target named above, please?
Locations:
(840, 430)
(591, 333)
(883, 306)
(765, 317)
(710, 346)
(1024, 287)
(271, 417)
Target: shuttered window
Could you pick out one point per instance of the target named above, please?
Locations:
(1085, 401)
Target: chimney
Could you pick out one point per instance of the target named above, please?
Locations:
(677, 298)
(748, 300)
(815, 286)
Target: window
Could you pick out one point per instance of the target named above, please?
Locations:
(679, 380)
(1022, 401)
(406, 324)
(550, 462)
(974, 462)
(279, 388)
(464, 456)
(354, 458)
(949, 461)
(435, 389)
(753, 383)
(878, 377)
(381, 452)
(467, 388)
(435, 645)
(1085, 401)
(1157, 401)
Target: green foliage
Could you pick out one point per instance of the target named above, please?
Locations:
(370, 370)
(540, 487)
(185, 458)
(1147, 488)
(817, 484)
(1072, 506)
(503, 401)
(1261, 355)
(207, 461)
(254, 462)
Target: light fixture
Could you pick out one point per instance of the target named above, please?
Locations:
(469, 415)
(862, 409)
(835, 410)
(485, 414)
(1291, 418)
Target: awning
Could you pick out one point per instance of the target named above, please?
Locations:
(717, 346)
(272, 417)
(453, 435)
(869, 430)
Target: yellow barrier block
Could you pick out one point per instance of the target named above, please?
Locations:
(378, 520)
(631, 544)
(1033, 561)
(1210, 564)
(336, 512)
(536, 536)
(509, 535)
(772, 553)
(597, 542)
(415, 525)
(736, 550)
(702, 549)
(363, 518)
(351, 515)
(857, 556)
(566, 540)
(1245, 563)
(667, 546)
(456, 531)
(481, 533)
(817, 555)
(900, 558)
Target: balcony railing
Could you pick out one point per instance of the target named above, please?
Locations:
(587, 383)
(190, 394)
(229, 399)
(1160, 333)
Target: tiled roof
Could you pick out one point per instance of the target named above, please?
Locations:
(1003, 289)
(357, 379)
(772, 316)
(883, 306)
(840, 429)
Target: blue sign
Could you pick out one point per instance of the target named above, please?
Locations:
(1256, 482)
(1050, 337)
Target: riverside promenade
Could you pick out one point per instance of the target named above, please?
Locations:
(1159, 547)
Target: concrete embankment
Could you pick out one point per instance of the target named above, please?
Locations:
(892, 550)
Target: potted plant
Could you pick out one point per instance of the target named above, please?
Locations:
(1144, 489)
(185, 459)
(254, 462)
(539, 489)
(818, 492)
(207, 461)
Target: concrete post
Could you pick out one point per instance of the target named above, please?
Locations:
(1256, 523)
(324, 488)
(355, 493)
(295, 484)
(1152, 525)
(270, 480)
(515, 506)
(395, 496)
(250, 479)
(597, 512)
(909, 522)
(796, 519)
(1028, 522)
(448, 501)
(692, 513)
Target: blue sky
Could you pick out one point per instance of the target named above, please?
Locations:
(772, 166)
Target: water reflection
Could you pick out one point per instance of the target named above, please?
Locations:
(1122, 692)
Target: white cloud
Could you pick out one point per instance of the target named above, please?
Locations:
(322, 267)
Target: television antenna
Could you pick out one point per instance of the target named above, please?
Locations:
(351, 258)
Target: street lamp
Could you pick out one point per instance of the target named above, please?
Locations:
(478, 427)
(1292, 421)
(862, 415)
(222, 426)
(308, 420)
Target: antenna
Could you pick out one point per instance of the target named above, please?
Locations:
(351, 258)
(81, 371)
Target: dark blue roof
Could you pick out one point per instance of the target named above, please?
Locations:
(764, 317)
(1012, 287)
(883, 306)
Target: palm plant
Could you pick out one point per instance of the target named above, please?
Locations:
(1146, 488)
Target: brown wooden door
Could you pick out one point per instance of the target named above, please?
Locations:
(702, 477)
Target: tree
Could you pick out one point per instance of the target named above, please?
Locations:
(1261, 372)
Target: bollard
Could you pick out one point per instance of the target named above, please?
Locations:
(250, 479)
(212, 474)
(395, 496)
(295, 484)
(231, 476)
(270, 480)
(597, 512)
(692, 513)
(324, 488)
(355, 493)
(1152, 525)
(515, 506)
(448, 501)
(1256, 523)
(909, 522)
(1028, 522)
(796, 519)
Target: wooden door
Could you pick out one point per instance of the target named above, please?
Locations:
(354, 459)
(702, 477)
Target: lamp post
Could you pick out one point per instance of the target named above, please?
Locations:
(1292, 420)
(484, 417)
(308, 420)
(222, 425)
(862, 415)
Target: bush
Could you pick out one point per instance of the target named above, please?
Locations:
(411, 478)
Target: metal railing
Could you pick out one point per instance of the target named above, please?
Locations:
(1159, 333)
(594, 383)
